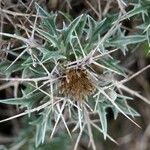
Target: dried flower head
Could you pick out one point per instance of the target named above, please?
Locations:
(76, 84)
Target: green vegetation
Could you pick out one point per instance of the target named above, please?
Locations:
(55, 43)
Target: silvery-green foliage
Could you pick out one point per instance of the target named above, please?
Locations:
(73, 40)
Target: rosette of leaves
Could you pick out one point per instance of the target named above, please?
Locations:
(76, 51)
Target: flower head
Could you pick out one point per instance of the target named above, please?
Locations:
(76, 84)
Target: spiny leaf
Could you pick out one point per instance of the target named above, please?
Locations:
(48, 55)
(137, 10)
(42, 124)
(102, 114)
(67, 32)
(127, 109)
(25, 101)
(112, 64)
(132, 39)
(48, 20)
(49, 37)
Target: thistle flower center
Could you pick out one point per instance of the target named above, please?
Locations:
(76, 84)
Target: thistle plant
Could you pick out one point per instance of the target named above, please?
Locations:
(68, 77)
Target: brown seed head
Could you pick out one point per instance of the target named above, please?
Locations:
(76, 84)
